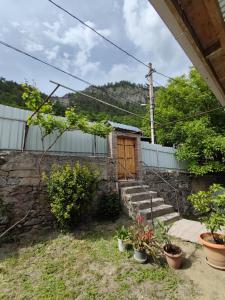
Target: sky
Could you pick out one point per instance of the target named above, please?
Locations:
(44, 31)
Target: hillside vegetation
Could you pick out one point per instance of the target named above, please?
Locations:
(180, 113)
(124, 94)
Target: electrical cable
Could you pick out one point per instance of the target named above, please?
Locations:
(94, 98)
(161, 125)
(109, 41)
(88, 83)
(98, 33)
(61, 70)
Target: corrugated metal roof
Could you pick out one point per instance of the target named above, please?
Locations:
(222, 7)
(124, 127)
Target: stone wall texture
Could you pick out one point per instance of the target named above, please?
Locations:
(19, 191)
(184, 183)
(19, 181)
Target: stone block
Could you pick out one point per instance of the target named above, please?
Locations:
(23, 173)
(13, 181)
(2, 160)
(2, 181)
(29, 181)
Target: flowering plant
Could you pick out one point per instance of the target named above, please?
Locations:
(141, 234)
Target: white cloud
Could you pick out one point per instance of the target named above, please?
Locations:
(152, 38)
(81, 40)
(15, 24)
(142, 24)
(33, 46)
(55, 37)
(51, 54)
(78, 35)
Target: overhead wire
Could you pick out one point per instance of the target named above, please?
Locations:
(63, 71)
(161, 125)
(107, 39)
(88, 83)
(67, 73)
(98, 33)
(94, 98)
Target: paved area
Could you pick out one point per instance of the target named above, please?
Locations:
(187, 230)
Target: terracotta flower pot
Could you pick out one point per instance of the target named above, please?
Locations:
(174, 260)
(215, 253)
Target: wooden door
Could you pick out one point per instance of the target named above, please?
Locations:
(126, 156)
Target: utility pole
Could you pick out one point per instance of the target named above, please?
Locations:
(151, 103)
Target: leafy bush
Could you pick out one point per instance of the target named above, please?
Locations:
(211, 205)
(109, 207)
(122, 233)
(161, 233)
(71, 192)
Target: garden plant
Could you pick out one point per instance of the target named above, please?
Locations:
(71, 192)
(42, 115)
(123, 237)
(173, 253)
(211, 207)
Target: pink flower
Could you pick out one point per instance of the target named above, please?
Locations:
(140, 219)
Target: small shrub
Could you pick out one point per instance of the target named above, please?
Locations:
(122, 233)
(109, 207)
(211, 206)
(71, 192)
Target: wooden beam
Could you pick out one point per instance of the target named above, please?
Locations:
(215, 53)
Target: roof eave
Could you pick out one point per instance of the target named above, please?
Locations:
(182, 34)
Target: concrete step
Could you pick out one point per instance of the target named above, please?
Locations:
(157, 211)
(168, 218)
(140, 196)
(143, 204)
(134, 189)
(127, 183)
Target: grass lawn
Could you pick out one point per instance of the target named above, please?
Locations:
(85, 265)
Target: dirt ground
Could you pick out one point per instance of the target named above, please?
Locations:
(209, 282)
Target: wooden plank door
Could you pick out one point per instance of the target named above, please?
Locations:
(126, 156)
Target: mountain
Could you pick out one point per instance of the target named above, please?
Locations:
(128, 96)
(11, 93)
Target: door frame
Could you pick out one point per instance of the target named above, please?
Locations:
(136, 161)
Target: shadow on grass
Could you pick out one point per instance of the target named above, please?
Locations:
(92, 231)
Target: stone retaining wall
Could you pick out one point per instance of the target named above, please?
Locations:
(19, 184)
(185, 183)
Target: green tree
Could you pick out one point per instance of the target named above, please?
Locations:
(48, 123)
(200, 140)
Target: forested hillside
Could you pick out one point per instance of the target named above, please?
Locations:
(124, 94)
(11, 93)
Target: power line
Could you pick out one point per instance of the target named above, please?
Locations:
(101, 35)
(88, 83)
(168, 77)
(44, 62)
(58, 69)
(110, 42)
(96, 99)
(161, 125)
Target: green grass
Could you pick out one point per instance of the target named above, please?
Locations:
(84, 266)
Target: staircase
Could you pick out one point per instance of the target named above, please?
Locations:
(136, 200)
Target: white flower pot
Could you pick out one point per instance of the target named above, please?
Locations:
(121, 246)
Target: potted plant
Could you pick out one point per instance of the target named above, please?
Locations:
(141, 234)
(122, 235)
(172, 252)
(211, 206)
